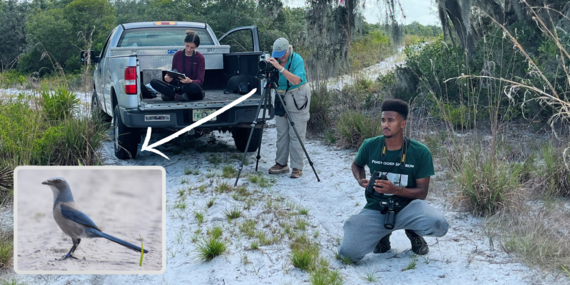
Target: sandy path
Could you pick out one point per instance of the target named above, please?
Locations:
(463, 256)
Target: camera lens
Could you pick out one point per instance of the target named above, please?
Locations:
(265, 65)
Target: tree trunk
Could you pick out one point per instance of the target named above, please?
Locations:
(453, 9)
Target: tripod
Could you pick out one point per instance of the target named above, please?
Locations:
(264, 105)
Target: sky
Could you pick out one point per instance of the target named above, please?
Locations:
(415, 10)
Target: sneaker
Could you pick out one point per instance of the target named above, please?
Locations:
(296, 173)
(278, 168)
(383, 245)
(419, 245)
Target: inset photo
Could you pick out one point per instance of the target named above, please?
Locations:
(89, 220)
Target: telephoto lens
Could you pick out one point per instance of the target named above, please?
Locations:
(265, 66)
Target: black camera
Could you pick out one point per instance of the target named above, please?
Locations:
(388, 207)
(266, 66)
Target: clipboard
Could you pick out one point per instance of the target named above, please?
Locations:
(173, 74)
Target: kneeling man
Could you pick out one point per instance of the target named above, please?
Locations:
(396, 201)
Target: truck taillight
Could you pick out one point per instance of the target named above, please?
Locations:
(131, 80)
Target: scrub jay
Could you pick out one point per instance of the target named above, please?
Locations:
(72, 221)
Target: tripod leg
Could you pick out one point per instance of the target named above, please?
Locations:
(266, 102)
(298, 137)
(253, 124)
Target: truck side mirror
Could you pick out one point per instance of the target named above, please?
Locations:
(89, 55)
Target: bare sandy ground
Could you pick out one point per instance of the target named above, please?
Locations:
(122, 203)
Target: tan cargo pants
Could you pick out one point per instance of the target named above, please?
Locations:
(287, 142)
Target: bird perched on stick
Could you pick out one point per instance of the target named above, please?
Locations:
(72, 221)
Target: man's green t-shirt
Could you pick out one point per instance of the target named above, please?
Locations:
(419, 163)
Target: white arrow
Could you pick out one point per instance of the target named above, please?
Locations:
(151, 147)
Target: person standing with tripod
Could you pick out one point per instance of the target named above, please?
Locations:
(297, 97)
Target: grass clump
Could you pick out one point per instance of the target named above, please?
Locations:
(216, 232)
(304, 253)
(303, 259)
(229, 172)
(324, 276)
(210, 248)
(261, 180)
(248, 228)
(59, 104)
(210, 203)
(224, 187)
(199, 217)
(6, 248)
(555, 175)
(233, 214)
(6, 182)
(488, 184)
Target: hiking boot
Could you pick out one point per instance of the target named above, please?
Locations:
(278, 168)
(296, 173)
(419, 245)
(383, 245)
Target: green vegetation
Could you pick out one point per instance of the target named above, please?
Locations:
(210, 248)
(44, 132)
(6, 248)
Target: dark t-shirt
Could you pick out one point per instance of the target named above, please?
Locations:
(194, 70)
(419, 163)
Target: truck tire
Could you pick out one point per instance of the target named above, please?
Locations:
(241, 135)
(96, 111)
(126, 140)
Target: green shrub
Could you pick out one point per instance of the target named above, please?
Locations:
(556, 174)
(460, 116)
(488, 184)
(6, 182)
(320, 109)
(27, 137)
(353, 127)
(10, 78)
(20, 127)
(59, 104)
(6, 248)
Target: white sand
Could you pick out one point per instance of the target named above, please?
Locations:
(463, 256)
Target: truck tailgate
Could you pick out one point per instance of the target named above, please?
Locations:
(213, 99)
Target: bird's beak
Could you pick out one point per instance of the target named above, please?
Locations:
(46, 183)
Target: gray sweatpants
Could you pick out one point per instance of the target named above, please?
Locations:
(363, 231)
(287, 141)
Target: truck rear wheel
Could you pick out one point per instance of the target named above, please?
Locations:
(126, 139)
(242, 134)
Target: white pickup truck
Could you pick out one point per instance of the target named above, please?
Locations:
(136, 53)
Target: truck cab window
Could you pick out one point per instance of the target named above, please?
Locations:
(152, 37)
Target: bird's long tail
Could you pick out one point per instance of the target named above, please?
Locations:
(119, 241)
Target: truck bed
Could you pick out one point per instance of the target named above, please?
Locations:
(214, 98)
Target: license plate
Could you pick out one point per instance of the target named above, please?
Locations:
(202, 113)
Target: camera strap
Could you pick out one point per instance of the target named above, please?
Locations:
(289, 86)
(403, 150)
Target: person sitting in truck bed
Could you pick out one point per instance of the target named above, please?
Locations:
(192, 64)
